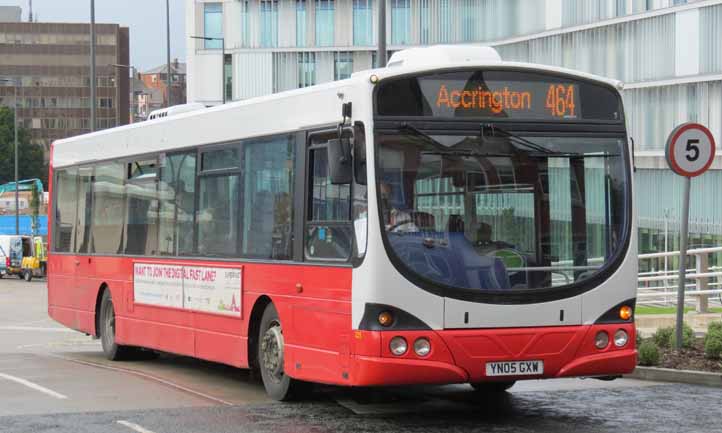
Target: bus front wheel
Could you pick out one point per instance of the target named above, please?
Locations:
(492, 387)
(279, 386)
(111, 349)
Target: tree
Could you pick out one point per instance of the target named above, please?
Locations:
(31, 163)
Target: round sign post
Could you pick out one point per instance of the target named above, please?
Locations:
(690, 152)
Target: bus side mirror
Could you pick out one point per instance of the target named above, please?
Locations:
(339, 161)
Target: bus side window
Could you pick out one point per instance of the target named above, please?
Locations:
(176, 190)
(329, 233)
(66, 202)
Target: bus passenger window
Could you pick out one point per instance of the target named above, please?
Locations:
(177, 204)
(217, 218)
(66, 207)
(141, 193)
(268, 198)
(329, 233)
(108, 208)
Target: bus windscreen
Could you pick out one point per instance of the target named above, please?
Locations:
(497, 94)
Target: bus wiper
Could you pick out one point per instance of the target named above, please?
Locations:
(518, 139)
(419, 133)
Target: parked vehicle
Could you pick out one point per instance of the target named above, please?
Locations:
(24, 256)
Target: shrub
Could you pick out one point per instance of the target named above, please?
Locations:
(638, 339)
(714, 326)
(667, 338)
(687, 337)
(663, 337)
(648, 354)
(713, 341)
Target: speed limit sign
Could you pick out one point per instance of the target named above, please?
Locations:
(690, 152)
(690, 149)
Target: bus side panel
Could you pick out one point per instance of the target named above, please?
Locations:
(318, 340)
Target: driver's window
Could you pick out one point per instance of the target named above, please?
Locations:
(329, 234)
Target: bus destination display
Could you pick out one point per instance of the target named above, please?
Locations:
(559, 100)
(498, 94)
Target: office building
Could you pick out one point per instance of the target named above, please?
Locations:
(50, 63)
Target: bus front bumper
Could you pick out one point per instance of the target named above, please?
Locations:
(460, 356)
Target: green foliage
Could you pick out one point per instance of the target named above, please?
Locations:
(638, 338)
(713, 341)
(663, 337)
(714, 327)
(667, 338)
(687, 337)
(648, 354)
(31, 161)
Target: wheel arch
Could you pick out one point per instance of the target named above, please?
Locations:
(254, 323)
(98, 299)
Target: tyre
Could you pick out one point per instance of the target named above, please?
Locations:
(27, 275)
(106, 328)
(270, 355)
(492, 387)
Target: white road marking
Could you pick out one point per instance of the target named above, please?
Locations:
(35, 328)
(133, 426)
(34, 386)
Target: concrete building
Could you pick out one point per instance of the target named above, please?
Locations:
(51, 64)
(668, 52)
(10, 14)
(156, 78)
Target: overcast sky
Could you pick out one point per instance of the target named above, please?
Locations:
(145, 18)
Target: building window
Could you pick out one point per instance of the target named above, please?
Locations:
(269, 23)
(343, 65)
(228, 75)
(400, 22)
(362, 18)
(105, 102)
(245, 39)
(306, 69)
(213, 24)
(300, 23)
(425, 22)
(324, 23)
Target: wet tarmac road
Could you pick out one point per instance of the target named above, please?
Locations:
(52, 380)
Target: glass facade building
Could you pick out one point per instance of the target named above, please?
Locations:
(667, 52)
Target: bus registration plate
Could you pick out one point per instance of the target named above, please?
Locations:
(515, 368)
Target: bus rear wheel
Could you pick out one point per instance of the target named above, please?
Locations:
(112, 350)
(27, 275)
(279, 385)
(492, 387)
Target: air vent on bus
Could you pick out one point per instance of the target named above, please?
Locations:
(443, 54)
(175, 110)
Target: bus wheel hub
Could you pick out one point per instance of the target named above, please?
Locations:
(272, 349)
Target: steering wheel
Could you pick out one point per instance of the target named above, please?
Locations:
(398, 224)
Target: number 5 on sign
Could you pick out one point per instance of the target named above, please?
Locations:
(690, 149)
(690, 152)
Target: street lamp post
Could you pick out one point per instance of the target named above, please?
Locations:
(169, 76)
(15, 133)
(223, 61)
(93, 81)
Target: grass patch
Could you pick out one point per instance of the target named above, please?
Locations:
(643, 309)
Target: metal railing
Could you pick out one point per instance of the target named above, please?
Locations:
(703, 283)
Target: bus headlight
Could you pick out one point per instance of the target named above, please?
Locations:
(398, 346)
(422, 347)
(621, 338)
(601, 340)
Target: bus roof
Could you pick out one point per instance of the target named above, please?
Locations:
(300, 108)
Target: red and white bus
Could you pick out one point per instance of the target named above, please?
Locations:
(451, 218)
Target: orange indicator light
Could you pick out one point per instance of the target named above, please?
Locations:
(385, 319)
(625, 313)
